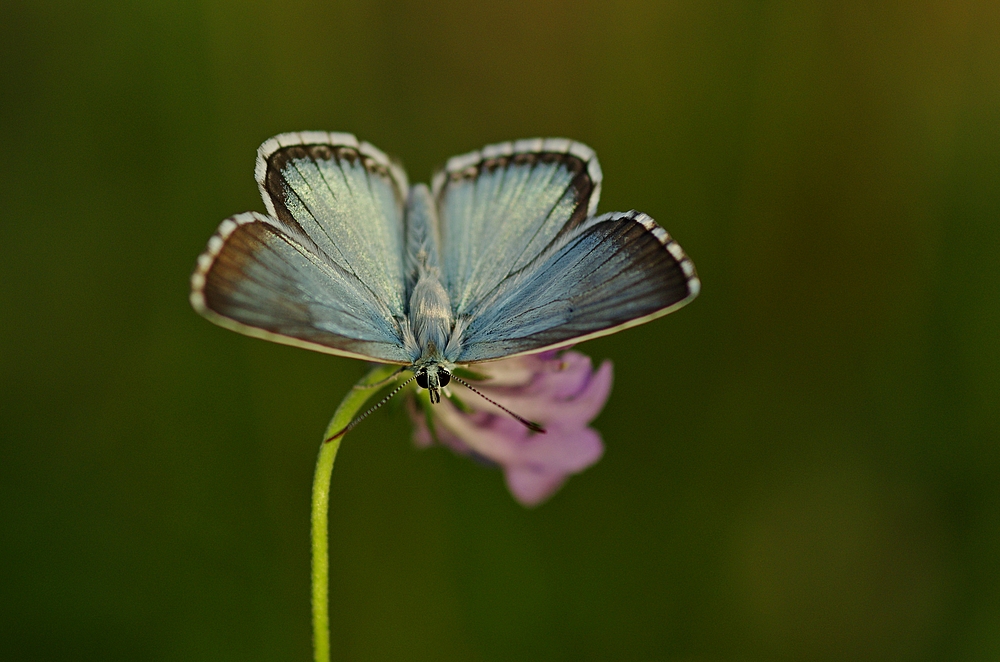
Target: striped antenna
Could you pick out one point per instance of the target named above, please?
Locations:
(534, 427)
(350, 426)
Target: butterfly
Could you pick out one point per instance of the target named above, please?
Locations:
(503, 255)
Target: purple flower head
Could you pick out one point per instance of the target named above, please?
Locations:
(561, 391)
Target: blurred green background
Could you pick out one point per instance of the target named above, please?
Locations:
(802, 465)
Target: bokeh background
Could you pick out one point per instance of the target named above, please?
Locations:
(802, 465)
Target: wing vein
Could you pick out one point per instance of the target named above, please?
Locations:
(321, 226)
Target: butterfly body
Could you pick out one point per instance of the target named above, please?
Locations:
(503, 255)
(430, 317)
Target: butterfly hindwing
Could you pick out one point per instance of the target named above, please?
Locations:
(325, 268)
(500, 207)
(347, 197)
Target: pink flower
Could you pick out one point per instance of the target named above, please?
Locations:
(560, 391)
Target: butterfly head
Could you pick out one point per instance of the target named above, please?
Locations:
(433, 377)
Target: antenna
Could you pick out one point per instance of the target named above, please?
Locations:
(350, 426)
(534, 427)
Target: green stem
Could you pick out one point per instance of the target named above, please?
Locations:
(348, 409)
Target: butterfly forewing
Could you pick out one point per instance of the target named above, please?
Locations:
(500, 207)
(615, 271)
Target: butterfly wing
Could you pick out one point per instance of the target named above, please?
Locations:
(614, 272)
(500, 207)
(530, 268)
(324, 269)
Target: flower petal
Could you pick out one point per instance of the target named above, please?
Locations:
(572, 394)
(530, 487)
(508, 443)
(422, 436)
(561, 391)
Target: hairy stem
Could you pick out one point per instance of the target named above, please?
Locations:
(366, 387)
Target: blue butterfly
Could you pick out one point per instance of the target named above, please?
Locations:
(503, 255)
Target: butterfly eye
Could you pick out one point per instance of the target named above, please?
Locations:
(422, 379)
(444, 377)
